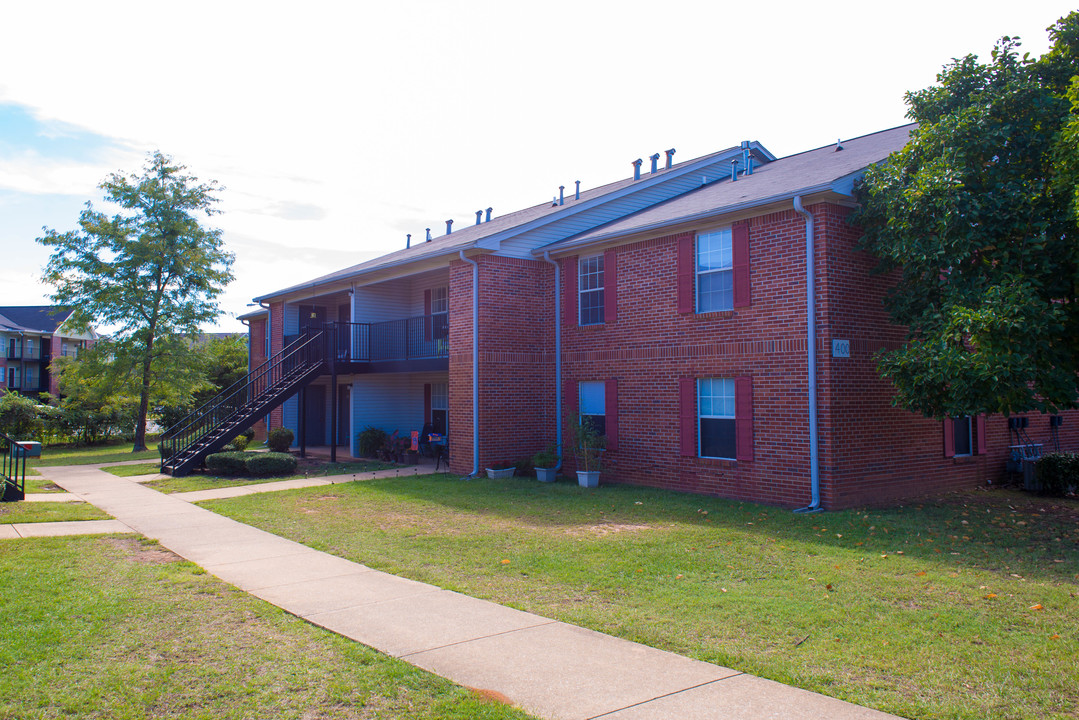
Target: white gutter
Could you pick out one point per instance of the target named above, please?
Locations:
(811, 356)
(475, 365)
(557, 357)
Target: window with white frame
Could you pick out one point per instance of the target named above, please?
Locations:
(29, 349)
(590, 290)
(592, 405)
(440, 308)
(716, 418)
(440, 406)
(715, 271)
(963, 434)
(28, 378)
(3, 374)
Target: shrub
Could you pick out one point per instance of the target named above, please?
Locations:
(1057, 473)
(249, 433)
(227, 463)
(546, 458)
(240, 442)
(370, 441)
(270, 463)
(523, 467)
(279, 440)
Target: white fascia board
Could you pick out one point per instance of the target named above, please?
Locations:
(564, 245)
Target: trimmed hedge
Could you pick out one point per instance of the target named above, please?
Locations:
(240, 442)
(227, 463)
(271, 463)
(1057, 473)
(279, 440)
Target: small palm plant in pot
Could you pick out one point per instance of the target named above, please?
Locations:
(588, 449)
(545, 462)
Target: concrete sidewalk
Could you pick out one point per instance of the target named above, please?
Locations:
(551, 669)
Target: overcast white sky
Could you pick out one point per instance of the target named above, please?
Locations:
(338, 127)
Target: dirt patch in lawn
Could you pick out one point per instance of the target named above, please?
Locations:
(139, 551)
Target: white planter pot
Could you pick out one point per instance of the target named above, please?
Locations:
(500, 474)
(588, 478)
(546, 474)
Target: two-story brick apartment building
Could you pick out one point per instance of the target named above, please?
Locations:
(31, 336)
(671, 308)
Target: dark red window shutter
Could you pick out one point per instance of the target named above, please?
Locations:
(427, 402)
(610, 287)
(427, 323)
(740, 258)
(569, 291)
(979, 434)
(687, 409)
(743, 418)
(610, 410)
(949, 438)
(686, 267)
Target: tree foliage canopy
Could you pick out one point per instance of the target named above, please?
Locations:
(977, 219)
(151, 270)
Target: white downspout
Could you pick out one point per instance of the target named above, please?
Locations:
(475, 366)
(557, 357)
(811, 357)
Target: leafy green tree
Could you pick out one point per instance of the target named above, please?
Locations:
(976, 220)
(151, 270)
(21, 418)
(215, 364)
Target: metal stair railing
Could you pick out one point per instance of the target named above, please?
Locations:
(272, 377)
(12, 469)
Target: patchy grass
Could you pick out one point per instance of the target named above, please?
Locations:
(26, 512)
(960, 607)
(133, 470)
(113, 452)
(37, 484)
(308, 468)
(117, 627)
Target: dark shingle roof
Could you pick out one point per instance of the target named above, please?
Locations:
(35, 318)
(820, 170)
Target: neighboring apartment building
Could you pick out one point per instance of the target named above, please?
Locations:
(32, 336)
(670, 308)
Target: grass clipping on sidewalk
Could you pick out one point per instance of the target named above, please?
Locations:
(960, 607)
(118, 627)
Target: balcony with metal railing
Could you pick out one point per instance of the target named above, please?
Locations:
(407, 345)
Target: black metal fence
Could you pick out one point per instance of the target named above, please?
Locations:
(415, 338)
(13, 470)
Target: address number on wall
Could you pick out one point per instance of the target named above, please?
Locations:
(841, 348)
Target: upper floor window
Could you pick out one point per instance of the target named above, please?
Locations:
(715, 271)
(590, 289)
(439, 300)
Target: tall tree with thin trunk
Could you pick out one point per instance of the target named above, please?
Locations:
(151, 271)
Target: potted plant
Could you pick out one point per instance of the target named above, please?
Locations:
(500, 473)
(588, 449)
(545, 462)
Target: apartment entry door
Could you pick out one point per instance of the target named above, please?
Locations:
(315, 414)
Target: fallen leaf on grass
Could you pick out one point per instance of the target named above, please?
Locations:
(990, 596)
(1054, 636)
(1037, 607)
(920, 573)
(505, 562)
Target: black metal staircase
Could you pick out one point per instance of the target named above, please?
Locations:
(185, 445)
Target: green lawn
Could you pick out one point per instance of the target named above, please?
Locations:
(201, 481)
(116, 627)
(114, 452)
(25, 512)
(962, 607)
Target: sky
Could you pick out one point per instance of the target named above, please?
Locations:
(335, 128)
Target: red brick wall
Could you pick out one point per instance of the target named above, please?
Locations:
(516, 363)
(277, 344)
(256, 356)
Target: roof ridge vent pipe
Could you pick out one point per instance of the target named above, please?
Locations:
(747, 158)
(637, 168)
(838, 144)
(479, 215)
(561, 194)
(408, 241)
(557, 357)
(489, 214)
(449, 226)
(811, 357)
(475, 365)
(655, 162)
(749, 164)
(577, 195)
(734, 169)
(428, 235)
(670, 158)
